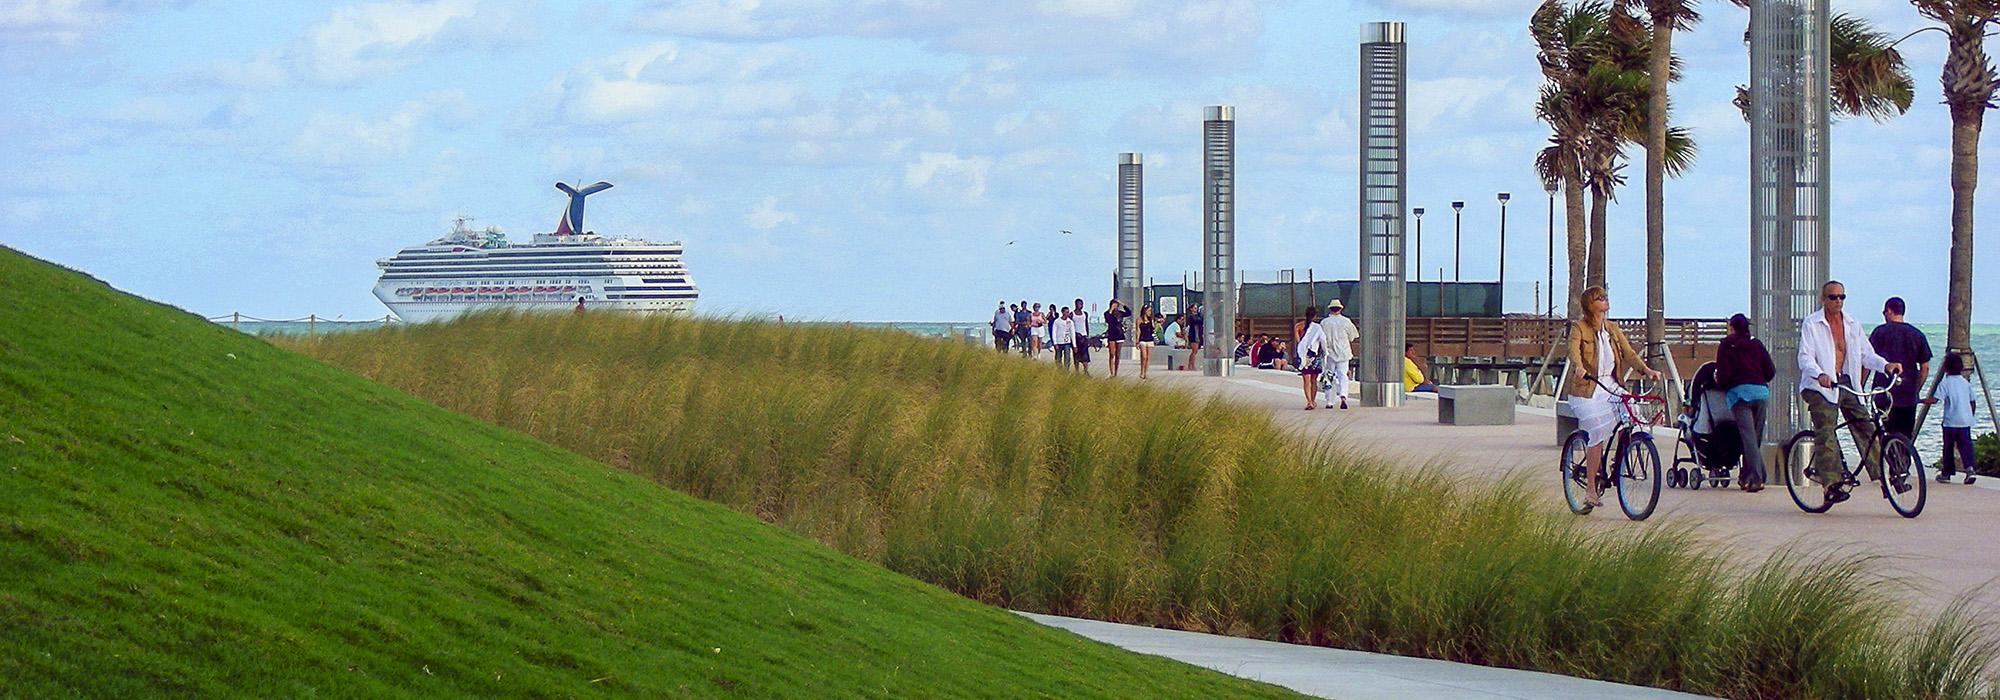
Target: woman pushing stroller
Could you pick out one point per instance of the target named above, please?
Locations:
(1743, 370)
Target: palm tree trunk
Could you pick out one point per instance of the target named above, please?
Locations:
(1965, 127)
(1579, 248)
(1660, 62)
(1600, 206)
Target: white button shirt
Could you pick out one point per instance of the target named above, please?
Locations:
(1817, 355)
(1340, 336)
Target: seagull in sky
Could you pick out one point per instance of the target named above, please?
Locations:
(1065, 232)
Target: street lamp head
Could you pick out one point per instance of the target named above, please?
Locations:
(1551, 187)
(1419, 211)
(1504, 197)
(1455, 206)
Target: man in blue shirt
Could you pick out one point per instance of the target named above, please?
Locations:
(1901, 343)
(1021, 327)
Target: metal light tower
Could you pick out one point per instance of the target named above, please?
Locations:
(1789, 116)
(1218, 213)
(1131, 235)
(1383, 301)
(1503, 252)
(1550, 188)
(1457, 208)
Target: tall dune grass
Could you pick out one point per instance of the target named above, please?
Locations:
(1016, 484)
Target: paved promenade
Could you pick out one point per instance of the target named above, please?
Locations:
(1942, 554)
(1349, 675)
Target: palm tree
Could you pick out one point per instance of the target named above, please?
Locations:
(1664, 18)
(1968, 80)
(1593, 99)
(1570, 39)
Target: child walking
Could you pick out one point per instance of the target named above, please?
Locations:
(1956, 394)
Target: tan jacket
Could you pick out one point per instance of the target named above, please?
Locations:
(1583, 358)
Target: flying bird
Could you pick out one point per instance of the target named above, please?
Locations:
(1010, 243)
(1065, 232)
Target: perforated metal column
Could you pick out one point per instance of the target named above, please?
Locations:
(1131, 234)
(1218, 245)
(1789, 115)
(1381, 307)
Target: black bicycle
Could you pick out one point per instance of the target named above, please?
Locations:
(1903, 482)
(1631, 461)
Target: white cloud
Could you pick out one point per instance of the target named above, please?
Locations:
(64, 22)
(948, 177)
(767, 215)
(1061, 36)
(339, 140)
(357, 42)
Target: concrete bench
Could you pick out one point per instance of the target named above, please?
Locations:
(1565, 421)
(1476, 404)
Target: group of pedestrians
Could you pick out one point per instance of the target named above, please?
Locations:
(1833, 351)
(1067, 332)
(1325, 352)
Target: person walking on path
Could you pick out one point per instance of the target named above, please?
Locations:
(1038, 330)
(1022, 329)
(1191, 324)
(1339, 341)
(1312, 353)
(1956, 394)
(1902, 344)
(1114, 332)
(1149, 329)
(1082, 352)
(1064, 334)
(1833, 350)
(1743, 370)
(1003, 327)
(1598, 349)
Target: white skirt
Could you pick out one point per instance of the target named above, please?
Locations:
(1596, 415)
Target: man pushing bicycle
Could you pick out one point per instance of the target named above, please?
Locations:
(1834, 350)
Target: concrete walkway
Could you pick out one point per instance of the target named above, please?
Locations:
(1945, 553)
(1350, 675)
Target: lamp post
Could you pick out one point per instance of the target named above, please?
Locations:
(1550, 188)
(1503, 252)
(1419, 211)
(1457, 209)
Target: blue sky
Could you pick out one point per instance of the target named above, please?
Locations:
(866, 159)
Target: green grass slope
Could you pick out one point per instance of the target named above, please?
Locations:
(188, 511)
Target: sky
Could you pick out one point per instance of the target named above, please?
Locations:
(901, 160)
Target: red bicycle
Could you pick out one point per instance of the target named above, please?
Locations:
(1631, 461)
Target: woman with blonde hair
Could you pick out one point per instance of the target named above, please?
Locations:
(1597, 350)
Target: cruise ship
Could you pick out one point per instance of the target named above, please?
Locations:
(568, 269)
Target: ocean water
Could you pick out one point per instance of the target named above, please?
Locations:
(926, 329)
(1986, 343)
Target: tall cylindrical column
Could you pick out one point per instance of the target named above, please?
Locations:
(1382, 304)
(1131, 236)
(1789, 115)
(1218, 245)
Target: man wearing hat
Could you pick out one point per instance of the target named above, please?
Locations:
(1340, 334)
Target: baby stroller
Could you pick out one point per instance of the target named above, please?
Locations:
(1709, 447)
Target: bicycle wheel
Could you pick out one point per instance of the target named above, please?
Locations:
(1576, 472)
(1795, 466)
(1903, 476)
(1639, 477)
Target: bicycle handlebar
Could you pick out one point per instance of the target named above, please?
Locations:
(1894, 379)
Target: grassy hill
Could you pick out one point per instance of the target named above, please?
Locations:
(1014, 483)
(188, 511)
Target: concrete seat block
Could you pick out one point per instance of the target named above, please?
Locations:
(1476, 404)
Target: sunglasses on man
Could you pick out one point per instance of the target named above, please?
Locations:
(1836, 297)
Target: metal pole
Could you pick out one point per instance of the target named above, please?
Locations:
(236, 321)
(1419, 212)
(312, 325)
(1551, 189)
(1503, 252)
(1457, 218)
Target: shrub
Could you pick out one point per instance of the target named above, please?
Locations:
(1020, 485)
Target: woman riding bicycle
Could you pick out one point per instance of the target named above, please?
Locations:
(1597, 349)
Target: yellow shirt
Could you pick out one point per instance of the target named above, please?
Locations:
(1411, 375)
